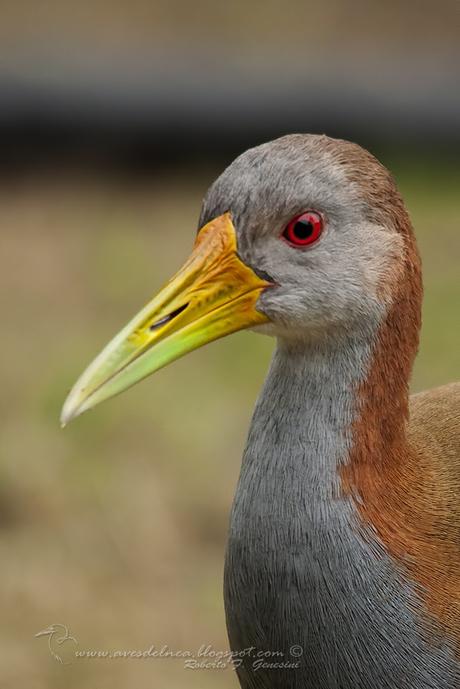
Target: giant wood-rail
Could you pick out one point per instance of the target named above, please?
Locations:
(343, 557)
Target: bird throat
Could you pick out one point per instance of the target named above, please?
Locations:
(305, 585)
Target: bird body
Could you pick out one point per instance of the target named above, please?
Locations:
(343, 561)
(304, 567)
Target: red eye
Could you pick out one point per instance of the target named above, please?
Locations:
(304, 229)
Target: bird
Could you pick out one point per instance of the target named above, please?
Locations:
(342, 567)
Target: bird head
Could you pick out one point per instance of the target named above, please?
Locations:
(51, 630)
(305, 237)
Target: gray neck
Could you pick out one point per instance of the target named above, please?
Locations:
(300, 431)
(300, 571)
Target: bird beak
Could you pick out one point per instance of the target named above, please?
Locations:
(213, 294)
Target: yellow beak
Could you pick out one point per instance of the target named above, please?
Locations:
(214, 294)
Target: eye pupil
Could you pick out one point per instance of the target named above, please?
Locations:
(303, 229)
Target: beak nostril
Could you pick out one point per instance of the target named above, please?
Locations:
(167, 318)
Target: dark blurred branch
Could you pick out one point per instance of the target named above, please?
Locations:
(141, 118)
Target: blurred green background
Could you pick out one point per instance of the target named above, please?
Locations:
(116, 527)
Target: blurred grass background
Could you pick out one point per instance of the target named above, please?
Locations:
(116, 526)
